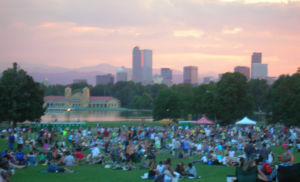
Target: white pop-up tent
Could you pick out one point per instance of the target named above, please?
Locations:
(246, 121)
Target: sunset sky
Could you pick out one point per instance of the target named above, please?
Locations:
(214, 35)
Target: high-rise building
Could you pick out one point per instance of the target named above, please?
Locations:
(121, 75)
(104, 79)
(137, 65)
(243, 70)
(147, 66)
(256, 57)
(166, 74)
(190, 75)
(142, 65)
(259, 71)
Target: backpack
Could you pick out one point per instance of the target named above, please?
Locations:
(267, 168)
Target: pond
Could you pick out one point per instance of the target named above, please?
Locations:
(96, 116)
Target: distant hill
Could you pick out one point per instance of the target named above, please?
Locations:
(60, 75)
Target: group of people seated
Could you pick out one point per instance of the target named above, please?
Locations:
(250, 170)
(123, 147)
(164, 172)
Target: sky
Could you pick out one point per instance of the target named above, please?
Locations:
(215, 35)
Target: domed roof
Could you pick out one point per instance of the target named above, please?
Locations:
(121, 69)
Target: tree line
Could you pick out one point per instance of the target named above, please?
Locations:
(225, 101)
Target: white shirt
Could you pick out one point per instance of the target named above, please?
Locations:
(231, 153)
(160, 168)
(95, 152)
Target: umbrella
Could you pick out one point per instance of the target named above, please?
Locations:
(204, 121)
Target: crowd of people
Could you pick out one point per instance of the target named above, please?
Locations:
(128, 148)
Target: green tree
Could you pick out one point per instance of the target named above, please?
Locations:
(285, 99)
(205, 100)
(259, 90)
(233, 100)
(21, 98)
(166, 105)
(101, 90)
(142, 102)
(79, 85)
(186, 94)
(55, 90)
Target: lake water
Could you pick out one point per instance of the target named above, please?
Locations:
(95, 116)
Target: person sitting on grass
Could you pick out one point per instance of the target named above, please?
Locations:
(169, 173)
(20, 157)
(249, 172)
(94, 157)
(32, 161)
(191, 171)
(180, 168)
(5, 174)
(115, 155)
(153, 172)
(52, 168)
(79, 156)
(69, 159)
(160, 167)
(129, 154)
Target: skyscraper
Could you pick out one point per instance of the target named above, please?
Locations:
(104, 79)
(121, 75)
(256, 57)
(243, 70)
(147, 66)
(137, 65)
(258, 70)
(190, 75)
(166, 74)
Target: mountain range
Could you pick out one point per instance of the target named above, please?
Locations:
(61, 75)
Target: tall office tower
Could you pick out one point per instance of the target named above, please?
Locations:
(190, 75)
(256, 57)
(104, 79)
(121, 75)
(137, 65)
(147, 66)
(166, 74)
(243, 70)
(259, 71)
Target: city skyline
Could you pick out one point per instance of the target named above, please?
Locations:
(72, 34)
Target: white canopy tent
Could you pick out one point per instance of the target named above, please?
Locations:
(246, 121)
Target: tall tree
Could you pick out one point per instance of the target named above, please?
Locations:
(21, 98)
(233, 100)
(186, 95)
(167, 105)
(259, 89)
(205, 100)
(285, 99)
